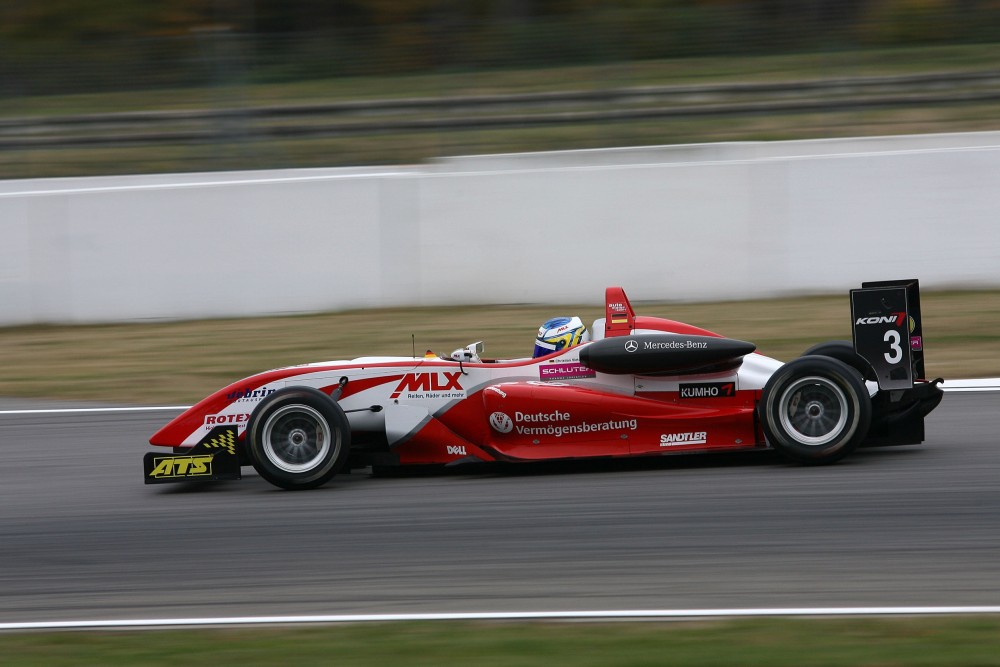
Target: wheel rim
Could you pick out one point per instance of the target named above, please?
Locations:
(297, 438)
(814, 411)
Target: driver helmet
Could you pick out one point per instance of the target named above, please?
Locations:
(558, 334)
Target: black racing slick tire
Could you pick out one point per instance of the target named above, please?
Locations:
(298, 438)
(815, 410)
(843, 350)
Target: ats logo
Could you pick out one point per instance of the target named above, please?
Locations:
(430, 385)
(182, 466)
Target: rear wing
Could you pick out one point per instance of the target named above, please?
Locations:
(887, 331)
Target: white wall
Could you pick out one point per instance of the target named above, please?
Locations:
(715, 221)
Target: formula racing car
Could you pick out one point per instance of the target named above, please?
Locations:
(629, 386)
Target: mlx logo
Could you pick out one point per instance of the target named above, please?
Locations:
(428, 382)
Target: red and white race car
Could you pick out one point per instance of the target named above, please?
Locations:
(640, 386)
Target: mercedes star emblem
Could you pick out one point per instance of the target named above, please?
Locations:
(631, 345)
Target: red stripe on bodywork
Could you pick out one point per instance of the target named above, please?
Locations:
(357, 386)
(177, 430)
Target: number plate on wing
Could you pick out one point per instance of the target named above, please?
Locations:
(882, 326)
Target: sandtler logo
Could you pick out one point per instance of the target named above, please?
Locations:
(678, 439)
(501, 422)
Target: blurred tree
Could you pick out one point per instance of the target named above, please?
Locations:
(74, 20)
(80, 21)
(282, 16)
(890, 22)
(63, 45)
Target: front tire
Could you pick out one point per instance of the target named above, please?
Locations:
(298, 438)
(815, 410)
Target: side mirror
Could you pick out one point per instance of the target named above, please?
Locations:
(469, 352)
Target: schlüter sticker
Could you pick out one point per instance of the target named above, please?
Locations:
(565, 371)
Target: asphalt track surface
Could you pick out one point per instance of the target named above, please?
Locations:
(82, 538)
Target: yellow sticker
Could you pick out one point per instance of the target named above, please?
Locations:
(181, 466)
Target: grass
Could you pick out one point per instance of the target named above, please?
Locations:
(904, 642)
(819, 65)
(180, 362)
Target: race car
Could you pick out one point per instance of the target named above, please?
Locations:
(630, 386)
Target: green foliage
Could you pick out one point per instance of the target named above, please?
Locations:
(955, 642)
(73, 45)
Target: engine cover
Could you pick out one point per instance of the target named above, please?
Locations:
(664, 354)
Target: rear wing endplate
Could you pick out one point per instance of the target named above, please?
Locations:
(887, 331)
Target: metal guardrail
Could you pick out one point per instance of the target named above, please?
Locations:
(495, 111)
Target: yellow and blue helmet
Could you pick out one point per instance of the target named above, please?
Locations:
(558, 334)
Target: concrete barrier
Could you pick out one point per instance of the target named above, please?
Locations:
(700, 222)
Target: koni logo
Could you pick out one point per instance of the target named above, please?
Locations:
(895, 319)
(430, 385)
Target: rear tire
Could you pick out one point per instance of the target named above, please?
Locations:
(843, 350)
(298, 438)
(815, 410)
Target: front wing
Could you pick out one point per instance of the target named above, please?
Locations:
(214, 458)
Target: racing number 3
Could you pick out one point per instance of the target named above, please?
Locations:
(881, 317)
(895, 353)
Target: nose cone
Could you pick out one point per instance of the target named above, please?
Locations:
(176, 431)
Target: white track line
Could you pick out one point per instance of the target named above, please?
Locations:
(985, 384)
(61, 411)
(640, 614)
